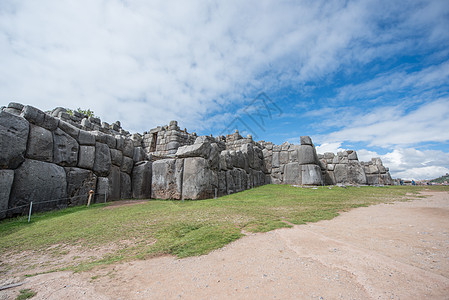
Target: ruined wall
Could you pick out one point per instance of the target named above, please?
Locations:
(53, 155)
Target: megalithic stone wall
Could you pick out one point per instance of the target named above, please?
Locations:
(57, 156)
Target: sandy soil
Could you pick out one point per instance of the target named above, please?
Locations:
(387, 251)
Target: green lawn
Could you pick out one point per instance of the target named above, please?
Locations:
(185, 228)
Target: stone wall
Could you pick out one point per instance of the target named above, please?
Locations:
(54, 155)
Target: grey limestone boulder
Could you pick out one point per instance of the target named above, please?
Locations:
(352, 155)
(356, 173)
(141, 180)
(195, 150)
(116, 157)
(39, 118)
(65, 149)
(341, 173)
(128, 148)
(13, 140)
(275, 160)
(311, 175)
(292, 174)
(69, 129)
(166, 182)
(40, 144)
(199, 181)
(125, 186)
(102, 192)
(127, 165)
(114, 183)
(38, 181)
(86, 157)
(6, 179)
(79, 183)
(283, 157)
(86, 138)
(307, 155)
(102, 163)
(306, 140)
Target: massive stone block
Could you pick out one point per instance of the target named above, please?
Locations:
(128, 148)
(102, 192)
(102, 164)
(116, 157)
(65, 149)
(199, 181)
(13, 140)
(114, 183)
(195, 150)
(86, 138)
(141, 180)
(292, 174)
(40, 144)
(307, 155)
(86, 157)
(306, 140)
(6, 179)
(341, 173)
(79, 183)
(127, 165)
(38, 181)
(283, 157)
(39, 118)
(125, 186)
(356, 173)
(167, 179)
(311, 175)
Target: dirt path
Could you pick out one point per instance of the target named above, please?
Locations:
(387, 251)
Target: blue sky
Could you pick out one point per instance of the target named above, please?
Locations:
(366, 75)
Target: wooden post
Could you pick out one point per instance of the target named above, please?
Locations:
(90, 197)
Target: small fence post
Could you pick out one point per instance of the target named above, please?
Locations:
(29, 214)
(105, 195)
(215, 193)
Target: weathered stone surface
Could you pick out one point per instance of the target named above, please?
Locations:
(199, 181)
(311, 175)
(114, 183)
(116, 157)
(65, 149)
(102, 192)
(102, 164)
(275, 160)
(13, 140)
(373, 179)
(341, 173)
(6, 179)
(307, 155)
(128, 148)
(141, 180)
(127, 165)
(167, 179)
(86, 157)
(352, 155)
(139, 154)
(356, 173)
(306, 140)
(86, 138)
(40, 144)
(79, 183)
(38, 181)
(69, 129)
(292, 174)
(283, 157)
(195, 150)
(125, 186)
(33, 115)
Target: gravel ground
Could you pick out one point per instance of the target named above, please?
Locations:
(387, 251)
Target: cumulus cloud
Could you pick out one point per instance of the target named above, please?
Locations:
(148, 62)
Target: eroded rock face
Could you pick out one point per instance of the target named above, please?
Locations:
(102, 163)
(141, 180)
(167, 179)
(311, 175)
(38, 181)
(293, 174)
(13, 140)
(125, 186)
(40, 144)
(199, 181)
(6, 179)
(65, 149)
(86, 157)
(79, 183)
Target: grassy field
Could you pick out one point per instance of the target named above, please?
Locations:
(182, 228)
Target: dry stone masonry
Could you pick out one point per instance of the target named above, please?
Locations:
(54, 159)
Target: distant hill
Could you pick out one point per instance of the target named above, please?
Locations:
(441, 179)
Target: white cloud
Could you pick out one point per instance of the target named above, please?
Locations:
(148, 62)
(329, 147)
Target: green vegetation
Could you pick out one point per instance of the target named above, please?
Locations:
(86, 112)
(441, 179)
(25, 294)
(182, 228)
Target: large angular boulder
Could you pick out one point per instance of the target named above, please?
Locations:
(38, 181)
(199, 181)
(6, 179)
(141, 180)
(125, 186)
(86, 157)
(114, 183)
(195, 150)
(307, 155)
(311, 175)
(166, 182)
(13, 140)
(65, 149)
(40, 144)
(102, 163)
(39, 118)
(79, 183)
(127, 165)
(356, 173)
(292, 174)
(341, 173)
(102, 192)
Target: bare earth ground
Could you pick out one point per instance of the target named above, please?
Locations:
(387, 251)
